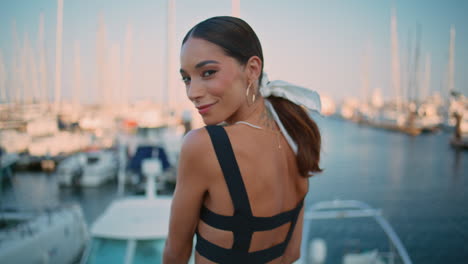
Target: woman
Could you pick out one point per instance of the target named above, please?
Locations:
(240, 188)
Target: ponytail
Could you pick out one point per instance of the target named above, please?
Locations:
(304, 131)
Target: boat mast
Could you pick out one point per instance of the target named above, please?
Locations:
(25, 80)
(43, 91)
(415, 88)
(407, 88)
(16, 82)
(169, 88)
(127, 74)
(3, 78)
(77, 77)
(115, 75)
(425, 91)
(32, 72)
(101, 57)
(396, 81)
(58, 56)
(451, 65)
(235, 8)
(365, 76)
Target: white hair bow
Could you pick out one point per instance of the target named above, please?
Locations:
(299, 95)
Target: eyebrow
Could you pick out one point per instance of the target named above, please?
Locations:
(201, 64)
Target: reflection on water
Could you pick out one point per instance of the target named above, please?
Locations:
(457, 162)
(30, 191)
(419, 183)
(37, 191)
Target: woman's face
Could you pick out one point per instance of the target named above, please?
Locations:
(214, 82)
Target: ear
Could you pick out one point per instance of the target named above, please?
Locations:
(253, 68)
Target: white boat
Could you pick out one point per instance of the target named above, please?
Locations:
(349, 232)
(42, 126)
(88, 169)
(349, 108)
(459, 112)
(93, 121)
(147, 115)
(59, 143)
(52, 236)
(328, 105)
(14, 141)
(428, 117)
(132, 229)
(391, 118)
(460, 137)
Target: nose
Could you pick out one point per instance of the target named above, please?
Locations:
(195, 90)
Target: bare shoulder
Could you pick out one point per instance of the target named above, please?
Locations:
(195, 141)
(197, 155)
(198, 140)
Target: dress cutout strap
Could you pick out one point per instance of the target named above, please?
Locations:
(230, 168)
(233, 178)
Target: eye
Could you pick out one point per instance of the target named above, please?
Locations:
(208, 73)
(186, 79)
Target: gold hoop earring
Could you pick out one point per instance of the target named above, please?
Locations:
(248, 89)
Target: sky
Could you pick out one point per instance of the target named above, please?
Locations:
(328, 46)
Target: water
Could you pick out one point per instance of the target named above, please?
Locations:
(420, 183)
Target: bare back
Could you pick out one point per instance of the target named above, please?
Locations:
(268, 168)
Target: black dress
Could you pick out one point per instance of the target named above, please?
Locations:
(243, 224)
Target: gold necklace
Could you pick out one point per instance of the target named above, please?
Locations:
(259, 127)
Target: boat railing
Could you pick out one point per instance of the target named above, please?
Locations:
(337, 209)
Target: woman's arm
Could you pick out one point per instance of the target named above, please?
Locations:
(293, 251)
(191, 186)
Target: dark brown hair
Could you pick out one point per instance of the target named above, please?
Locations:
(239, 41)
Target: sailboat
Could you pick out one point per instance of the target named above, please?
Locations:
(407, 116)
(459, 111)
